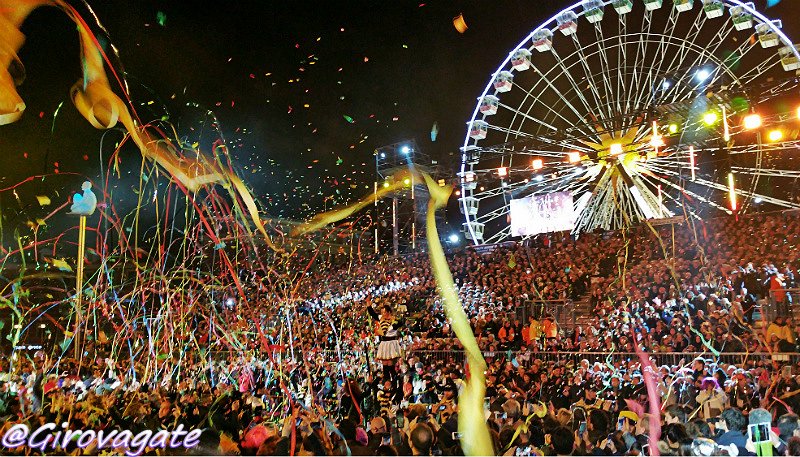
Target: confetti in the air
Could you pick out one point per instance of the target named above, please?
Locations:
(459, 23)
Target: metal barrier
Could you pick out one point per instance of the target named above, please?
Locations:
(658, 359)
(452, 357)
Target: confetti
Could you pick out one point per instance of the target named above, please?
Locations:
(44, 200)
(459, 23)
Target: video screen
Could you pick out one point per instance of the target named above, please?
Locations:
(542, 214)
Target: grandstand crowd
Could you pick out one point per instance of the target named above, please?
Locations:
(706, 301)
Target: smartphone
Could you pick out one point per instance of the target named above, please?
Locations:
(582, 428)
(442, 407)
(621, 424)
(759, 433)
(523, 451)
(387, 439)
(787, 371)
(456, 436)
(400, 422)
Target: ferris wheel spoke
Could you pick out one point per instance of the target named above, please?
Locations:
(690, 193)
(771, 172)
(580, 117)
(516, 133)
(499, 236)
(664, 40)
(641, 53)
(723, 188)
(592, 83)
(590, 110)
(760, 69)
(622, 61)
(605, 69)
(684, 45)
(529, 117)
(674, 199)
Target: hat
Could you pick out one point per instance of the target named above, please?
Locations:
(630, 415)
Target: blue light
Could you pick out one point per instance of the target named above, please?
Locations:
(405, 149)
(454, 238)
(538, 178)
(702, 74)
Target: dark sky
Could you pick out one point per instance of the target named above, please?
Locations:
(394, 67)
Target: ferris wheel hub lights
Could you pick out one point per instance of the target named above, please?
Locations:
(574, 157)
(657, 141)
(752, 121)
(710, 118)
(775, 135)
(538, 164)
(615, 149)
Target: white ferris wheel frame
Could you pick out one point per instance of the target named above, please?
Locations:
(580, 11)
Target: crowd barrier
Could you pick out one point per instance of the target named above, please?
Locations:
(527, 358)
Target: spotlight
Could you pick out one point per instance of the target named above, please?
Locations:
(752, 121)
(453, 238)
(673, 129)
(666, 84)
(710, 118)
(405, 149)
(538, 164)
(502, 172)
(615, 149)
(230, 302)
(539, 178)
(574, 157)
(406, 181)
(775, 135)
(383, 155)
(702, 74)
(798, 112)
(386, 184)
(757, 200)
(458, 192)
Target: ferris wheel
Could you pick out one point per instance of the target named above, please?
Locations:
(615, 112)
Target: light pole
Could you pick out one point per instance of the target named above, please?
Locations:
(83, 205)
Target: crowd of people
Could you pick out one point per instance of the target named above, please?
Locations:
(313, 384)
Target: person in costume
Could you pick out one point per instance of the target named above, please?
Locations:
(389, 350)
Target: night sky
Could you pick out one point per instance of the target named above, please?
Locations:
(283, 80)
